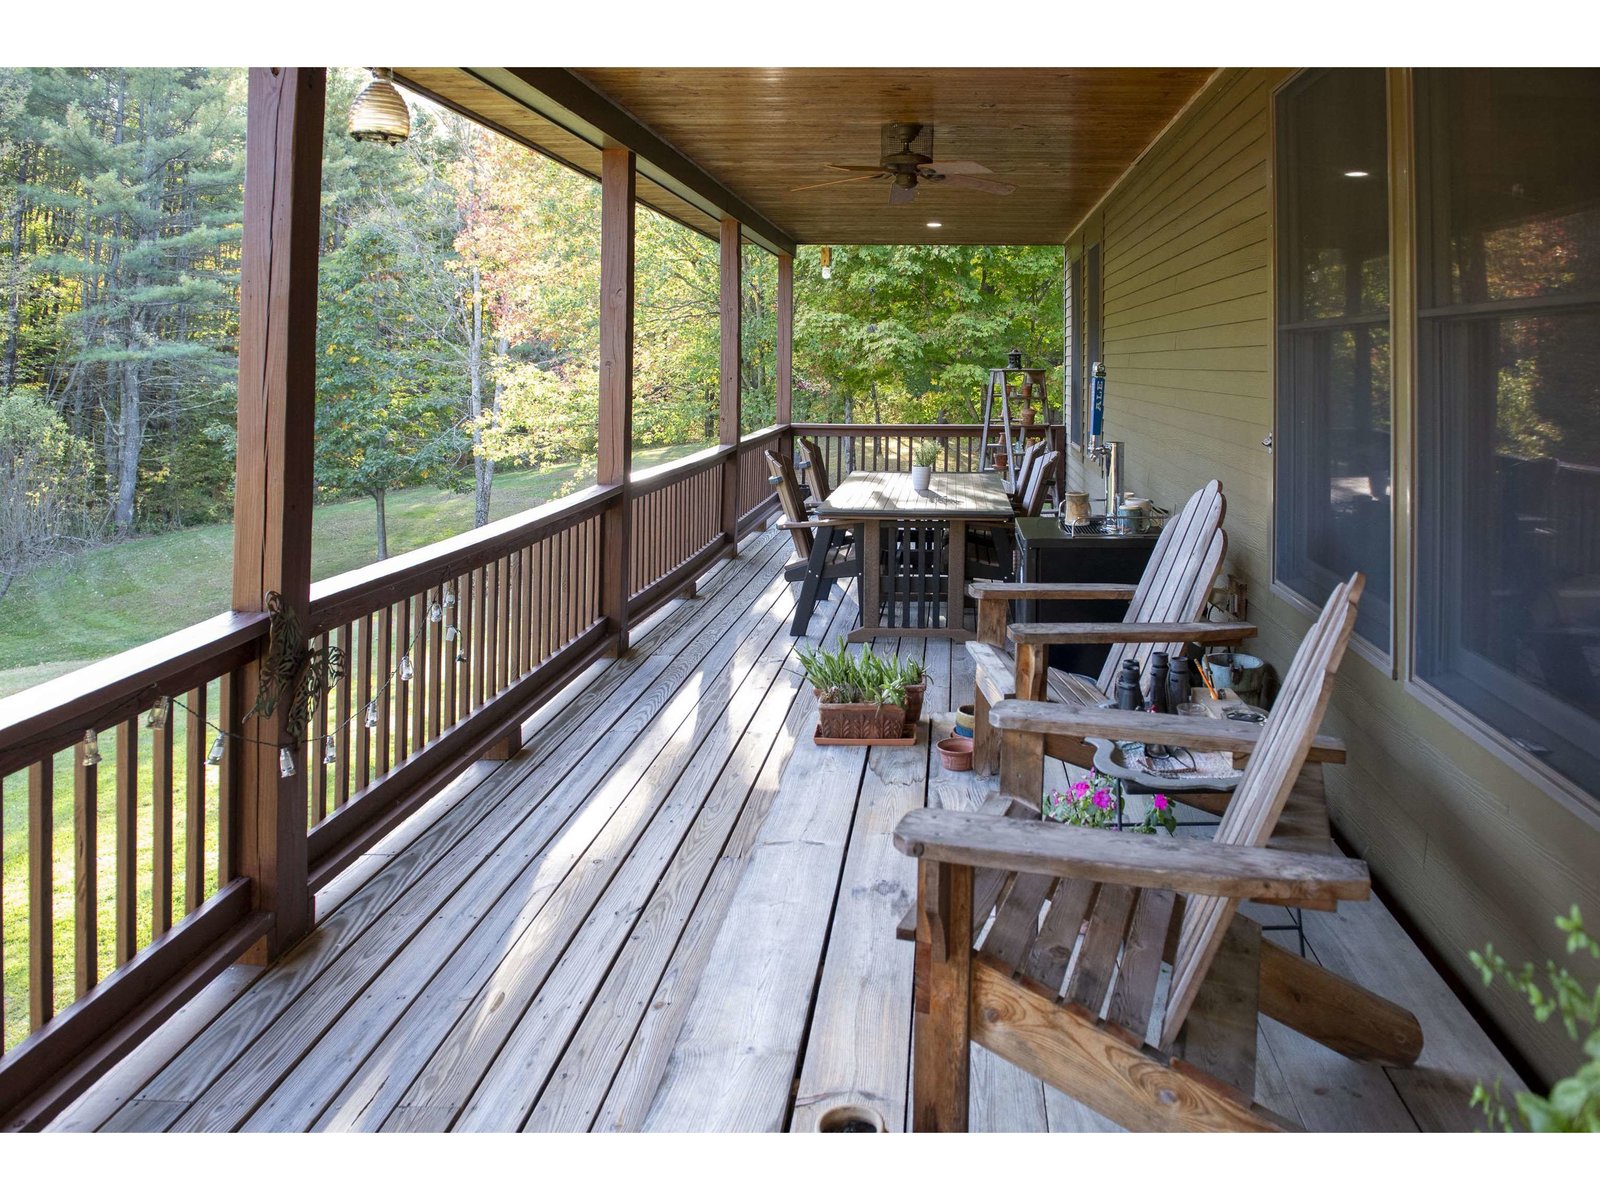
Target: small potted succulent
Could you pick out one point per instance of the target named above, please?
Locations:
(860, 697)
(927, 454)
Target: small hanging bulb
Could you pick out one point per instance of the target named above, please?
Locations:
(449, 598)
(827, 262)
(451, 633)
(371, 718)
(158, 713)
(215, 756)
(285, 762)
(435, 612)
(91, 749)
(406, 670)
(461, 656)
(330, 751)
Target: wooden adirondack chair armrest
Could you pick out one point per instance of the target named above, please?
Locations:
(1194, 733)
(1189, 865)
(999, 590)
(1105, 633)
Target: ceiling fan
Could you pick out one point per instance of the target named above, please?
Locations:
(908, 162)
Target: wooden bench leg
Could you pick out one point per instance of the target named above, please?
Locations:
(941, 1062)
(985, 745)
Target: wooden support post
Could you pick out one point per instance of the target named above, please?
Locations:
(941, 1055)
(728, 412)
(784, 412)
(617, 183)
(273, 488)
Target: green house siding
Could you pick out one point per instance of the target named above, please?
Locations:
(1468, 844)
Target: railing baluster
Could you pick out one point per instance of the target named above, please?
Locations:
(363, 670)
(41, 893)
(419, 667)
(126, 899)
(86, 864)
(387, 687)
(341, 737)
(161, 744)
(194, 794)
(229, 706)
(315, 767)
(435, 634)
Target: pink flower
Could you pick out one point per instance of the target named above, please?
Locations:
(1081, 788)
(1161, 802)
(1102, 799)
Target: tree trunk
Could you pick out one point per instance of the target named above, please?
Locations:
(383, 525)
(14, 316)
(130, 441)
(482, 467)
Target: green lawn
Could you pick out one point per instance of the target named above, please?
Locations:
(118, 596)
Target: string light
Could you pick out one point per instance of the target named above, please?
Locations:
(451, 633)
(449, 597)
(158, 713)
(330, 750)
(91, 748)
(406, 669)
(215, 756)
(371, 717)
(285, 762)
(435, 612)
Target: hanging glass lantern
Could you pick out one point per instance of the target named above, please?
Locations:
(371, 717)
(215, 756)
(285, 762)
(91, 748)
(330, 749)
(379, 113)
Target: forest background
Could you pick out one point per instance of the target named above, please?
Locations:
(458, 336)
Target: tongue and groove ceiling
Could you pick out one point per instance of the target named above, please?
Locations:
(1062, 136)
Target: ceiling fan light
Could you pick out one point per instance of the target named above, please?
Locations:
(379, 113)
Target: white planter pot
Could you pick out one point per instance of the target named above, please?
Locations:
(920, 478)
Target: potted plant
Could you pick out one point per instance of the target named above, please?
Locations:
(914, 680)
(927, 454)
(860, 697)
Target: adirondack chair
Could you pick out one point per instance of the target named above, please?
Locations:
(1164, 611)
(1025, 467)
(823, 550)
(1036, 485)
(1074, 998)
(816, 466)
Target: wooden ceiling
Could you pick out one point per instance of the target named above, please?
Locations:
(1061, 136)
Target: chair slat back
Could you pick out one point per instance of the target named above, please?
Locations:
(1258, 801)
(1177, 580)
(816, 469)
(1038, 484)
(794, 508)
(1025, 468)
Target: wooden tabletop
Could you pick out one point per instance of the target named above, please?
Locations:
(963, 496)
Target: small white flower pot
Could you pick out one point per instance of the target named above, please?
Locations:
(920, 478)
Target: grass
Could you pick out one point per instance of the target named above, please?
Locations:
(115, 597)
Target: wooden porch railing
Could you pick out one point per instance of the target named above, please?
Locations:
(133, 762)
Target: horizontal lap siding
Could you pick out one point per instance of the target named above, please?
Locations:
(1469, 849)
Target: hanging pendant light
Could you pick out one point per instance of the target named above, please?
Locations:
(379, 113)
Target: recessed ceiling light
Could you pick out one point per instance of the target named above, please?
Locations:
(935, 224)
(1356, 174)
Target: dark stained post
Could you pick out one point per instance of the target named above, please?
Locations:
(785, 406)
(728, 413)
(617, 183)
(784, 412)
(273, 489)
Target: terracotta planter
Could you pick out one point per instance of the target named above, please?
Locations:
(956, 753)
(1027, 416)
(861, 721)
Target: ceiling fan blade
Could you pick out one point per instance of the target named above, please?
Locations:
(900, 195)
(836, 182)
(843, 167)
(993, 186)
(958, 168)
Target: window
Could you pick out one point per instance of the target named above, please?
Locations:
(1508, 361)
(1333, 441)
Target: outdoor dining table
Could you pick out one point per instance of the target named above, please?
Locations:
(905, 550)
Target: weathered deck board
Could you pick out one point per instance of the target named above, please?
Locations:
(672, 910)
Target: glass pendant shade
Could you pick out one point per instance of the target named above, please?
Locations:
(379, 113)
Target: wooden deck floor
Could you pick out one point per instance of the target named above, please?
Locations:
(673, 911)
